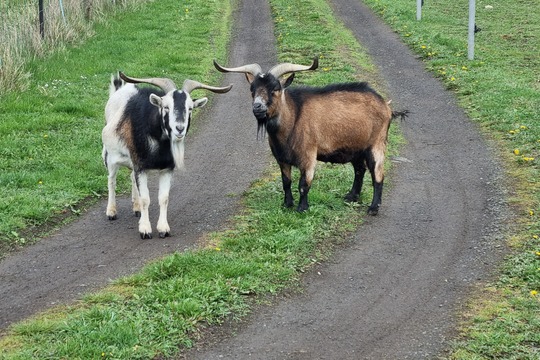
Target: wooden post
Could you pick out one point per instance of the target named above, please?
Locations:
(41, 19)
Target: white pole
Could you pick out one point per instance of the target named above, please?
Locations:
(418, 10)
(62, 10)
(472, 10)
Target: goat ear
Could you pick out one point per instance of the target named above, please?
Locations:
(286, 82)
(250, 77)
(200, 102)
(155, 100)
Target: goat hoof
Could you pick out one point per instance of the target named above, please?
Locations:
(373, 211)
(163, 235)
(112, 217)
(145, 236)
(351, 198)
(137, 214)
(302, 209)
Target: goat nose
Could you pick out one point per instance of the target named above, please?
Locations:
(258, 107)
(180, 128)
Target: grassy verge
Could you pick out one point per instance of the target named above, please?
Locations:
(500, 90)
(153, 313)
(50, 156)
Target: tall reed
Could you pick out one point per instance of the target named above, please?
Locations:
(65, 22)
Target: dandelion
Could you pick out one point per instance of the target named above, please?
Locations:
(40, 182)
(464, 68)
(516, 151)
(523, 127)
(535, 237)
(45, 136)
(512, 132)
(217, 249)
(537, 253)
(423, 46)
(326, 69)
(452, 79)
(531, 212)
(534, 292)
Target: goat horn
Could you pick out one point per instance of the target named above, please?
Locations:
(190, 85)
(253, 69)
(282, 69)
(163, 83)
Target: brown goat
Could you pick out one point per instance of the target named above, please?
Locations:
(338, 123)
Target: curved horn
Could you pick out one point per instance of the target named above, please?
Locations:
(253, 69)
(282, 69)
(190, 85)
(163, 83)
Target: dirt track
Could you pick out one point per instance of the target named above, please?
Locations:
(390, 292)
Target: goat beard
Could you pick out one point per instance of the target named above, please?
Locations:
(261, 127)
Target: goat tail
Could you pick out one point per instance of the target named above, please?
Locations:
(401, 114)
(116, 83)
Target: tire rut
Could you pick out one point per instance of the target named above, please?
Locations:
(223, 157)
(392, 292)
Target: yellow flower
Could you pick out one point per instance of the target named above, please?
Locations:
(452, 79)
(535, 236)
(217, 249)
(516, 151)
(531, 212)
(424, 46)
(534, 292)
(40, 182)
(538, 253)
(512, 132)
(464, 68)
(45, 136)
(523, 127)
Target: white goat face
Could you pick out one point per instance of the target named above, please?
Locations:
(175, 108)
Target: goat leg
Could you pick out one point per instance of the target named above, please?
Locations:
(375, 163)
(306, 177)
(286, 180)
(145, 228)
(359, 171)
(135, 196)
(164, 187)
(111, 182)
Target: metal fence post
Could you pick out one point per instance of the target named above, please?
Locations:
(419, 10)
(472, 11)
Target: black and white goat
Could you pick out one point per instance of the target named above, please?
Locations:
(145, 130)
(338, 123)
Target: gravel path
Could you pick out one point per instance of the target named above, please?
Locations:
(390, 292)
(393, 291)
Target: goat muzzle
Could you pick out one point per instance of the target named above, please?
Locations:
(259, 110)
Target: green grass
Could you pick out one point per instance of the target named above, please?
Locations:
(159, 310)
(50, 156)
(500, 90)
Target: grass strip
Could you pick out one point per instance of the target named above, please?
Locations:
(157, 311)
(500, 90)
